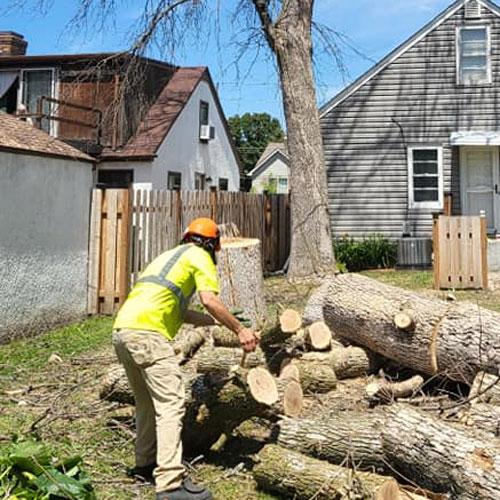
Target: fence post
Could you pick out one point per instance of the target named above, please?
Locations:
(178, 214)
(213, 203)
(484, 250)
(435, 245)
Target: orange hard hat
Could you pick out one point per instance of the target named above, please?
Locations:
(202, 226)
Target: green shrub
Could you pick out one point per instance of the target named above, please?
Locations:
(374, 252)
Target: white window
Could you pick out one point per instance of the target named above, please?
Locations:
(37, 83)
(473, 55)
(425, 177)
(174, 180)
(282, 185)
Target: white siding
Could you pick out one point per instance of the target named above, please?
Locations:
(182, 151)
(275, 167)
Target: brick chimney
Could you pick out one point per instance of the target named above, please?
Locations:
(12, 44)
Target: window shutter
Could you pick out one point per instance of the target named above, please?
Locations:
(472, 9)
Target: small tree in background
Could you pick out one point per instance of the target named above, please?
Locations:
(252, 132)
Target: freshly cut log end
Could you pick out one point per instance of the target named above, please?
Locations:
(319, 336)
(262, 386)
(293, 399)
(404, 321)
(389, 491)
(241, 279)
(289, 372)
(290, 321)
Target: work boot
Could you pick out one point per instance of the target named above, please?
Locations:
(188, 491)
(142, 473)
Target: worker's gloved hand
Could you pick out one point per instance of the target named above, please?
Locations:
(239, 314)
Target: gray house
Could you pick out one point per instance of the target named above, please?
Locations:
(420, 131)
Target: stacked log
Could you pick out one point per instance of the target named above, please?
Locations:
(389, 345)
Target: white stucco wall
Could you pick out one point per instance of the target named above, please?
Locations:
(44, 227)
(275, 167)
(182, 151)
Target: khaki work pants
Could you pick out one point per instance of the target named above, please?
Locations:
(155, 378)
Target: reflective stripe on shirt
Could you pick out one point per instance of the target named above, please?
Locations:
(160, 279)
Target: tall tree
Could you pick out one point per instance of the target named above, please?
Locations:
(252, 132)
(286, 26)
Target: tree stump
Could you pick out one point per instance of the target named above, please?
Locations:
(241, 278)
(455, 339)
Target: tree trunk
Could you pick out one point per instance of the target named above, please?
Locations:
(428, 451)
(241, 279)
(455, 339)
(297, 476)
(290, 40)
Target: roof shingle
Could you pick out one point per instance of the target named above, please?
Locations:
(17, 134)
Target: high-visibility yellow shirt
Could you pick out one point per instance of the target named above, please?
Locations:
(159, 300)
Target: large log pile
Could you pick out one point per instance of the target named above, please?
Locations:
(394, 396)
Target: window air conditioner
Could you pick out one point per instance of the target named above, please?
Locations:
(207, 132)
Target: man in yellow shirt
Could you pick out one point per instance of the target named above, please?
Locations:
(150, 317)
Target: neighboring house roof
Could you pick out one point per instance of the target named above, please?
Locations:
(160, 118)
(400, 50)
(73, 58)
(19, 136)
(273, 148)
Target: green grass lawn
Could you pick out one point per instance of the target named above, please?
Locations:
(58, 402)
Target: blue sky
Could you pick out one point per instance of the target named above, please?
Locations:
(375, 27)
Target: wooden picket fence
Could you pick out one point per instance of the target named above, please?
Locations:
(460, 252)
(122, 244)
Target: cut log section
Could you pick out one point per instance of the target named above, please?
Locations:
(262, 386)
(455, 339)
(290, 371)
(483, 416)
(485, 389)
(347, 362)
(290, 321)
(223, 337)
(404, 320)
(389, 391)
(241, 280)
(292, 399)
(297, 476)
(226, 359)
(315, 378)
(435, 454)
(188, 341)
(319, 336)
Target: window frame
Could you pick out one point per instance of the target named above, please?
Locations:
(172, 173)
(53, 125)
(458, 40)
(201, 178)
(226, 181)
(437, 204)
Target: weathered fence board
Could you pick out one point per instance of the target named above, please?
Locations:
(460, 252)
(109, 279)
(129, 229)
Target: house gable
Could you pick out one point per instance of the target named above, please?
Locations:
(400, 50)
